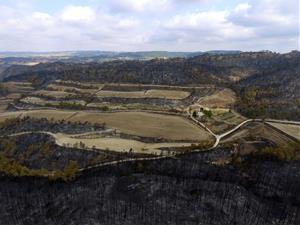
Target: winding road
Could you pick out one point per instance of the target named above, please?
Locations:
(217, 137)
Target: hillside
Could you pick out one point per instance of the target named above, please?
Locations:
(273, 76)
(206, 68)
(185, 191)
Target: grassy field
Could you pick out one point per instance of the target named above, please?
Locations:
(132, 106)
(43, 102)
(135, 123)
(117, 144)
(36, 101)
(147, 124)
(80, 84)
(259, 130)
(14, 91)
(54, 94)
(293, 130)
(220, 99)
(50, 114)
(223, 119)
(9, 115)
(63, 88)
(153, 93)
(4, 103)
(18, 87)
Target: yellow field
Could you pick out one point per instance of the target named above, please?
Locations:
(50, 114)
(4, 103)
(9, 115)
(82, 84)
(54, 87)
(17, 87)
(35, 101)
(220, 99)
(132, 106)
(54, 94)
(117, 144)
(257, 129)
(134, 123)
(153, 93)
(42, 102)
(147, 124)
(293, 130)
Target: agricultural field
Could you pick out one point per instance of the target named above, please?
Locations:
(18, 87)
(49, 114)
(261, 132)
(147, 124)
(129, 106)
(152, 93)
(173, 128)
(44, 102)
(64, 88)
(4, 102)
(147, 117)
(83, 85)
(113, 97)
(54, 94)
(12, 91)
(293, 130)
(117, 144)
(223, 119)
(224, 98)
(9, 115)
(122, 130)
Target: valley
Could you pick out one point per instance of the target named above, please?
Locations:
(149, 136)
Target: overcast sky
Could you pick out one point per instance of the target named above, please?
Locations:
(144, 25)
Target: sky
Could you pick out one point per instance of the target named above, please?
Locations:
(149, 25)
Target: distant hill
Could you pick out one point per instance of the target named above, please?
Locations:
(204, 68)
(73, 55)
(271, 79)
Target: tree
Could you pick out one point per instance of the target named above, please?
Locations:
(70, 170)
(207, 113)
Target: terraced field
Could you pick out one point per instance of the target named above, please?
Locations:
(293, 130)
(259, 130)
(54, 94)
(42, 102)
(118, 144)
(153, 93)
(13, 90)
(55, 87)
(220, 99)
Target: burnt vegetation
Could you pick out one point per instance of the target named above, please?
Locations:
(169, 191)
(274, 76)
(252, 180)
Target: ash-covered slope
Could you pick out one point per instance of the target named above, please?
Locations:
(184, 192)
(206, 68)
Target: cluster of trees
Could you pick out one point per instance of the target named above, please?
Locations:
(12, 159)
(67, 174)
(14, 168)
(3, 90)
(282, 153)
(256, 102)
(15, 125)
(196, 146)
(279, 153)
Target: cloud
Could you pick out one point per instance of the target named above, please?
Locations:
(130, 25)
(78, 14)
(140, 6)
(268, 18)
